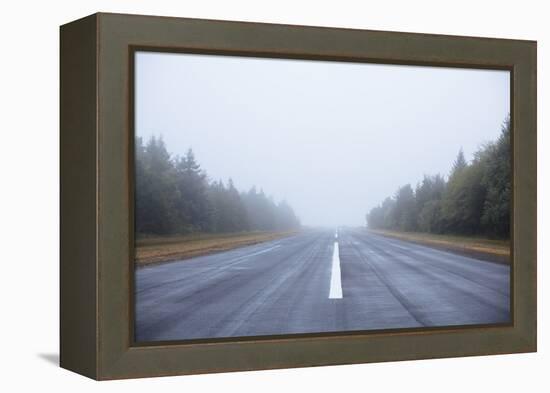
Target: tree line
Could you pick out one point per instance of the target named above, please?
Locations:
(473, 200)
(173, 195)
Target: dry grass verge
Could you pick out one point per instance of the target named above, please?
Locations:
(487, 249)
(163, 249)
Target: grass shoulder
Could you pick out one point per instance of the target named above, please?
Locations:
(494, 250)
(151, 250)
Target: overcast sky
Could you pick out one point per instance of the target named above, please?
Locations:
(333, 139)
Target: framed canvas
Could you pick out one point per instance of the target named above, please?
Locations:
(245, 196)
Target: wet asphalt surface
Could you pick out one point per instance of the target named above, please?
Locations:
(283, 286)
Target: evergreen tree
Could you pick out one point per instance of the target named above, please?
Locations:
(285, 217)
(474, 200)
(194, 205)
(222, 207)
(382, 216)
(462, 203)
(156, 193)
(428, 197)
(404, 210)
(459, 164)
(238, 219)
(498, 181)
(174, 196)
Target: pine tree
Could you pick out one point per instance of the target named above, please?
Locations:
(428, 197)
(404, 211)
(156, 194)
(498, 181)
(474, 200)
(193, 203)
(175, 196)
(459, 164)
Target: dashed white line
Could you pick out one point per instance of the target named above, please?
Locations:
(336, 275)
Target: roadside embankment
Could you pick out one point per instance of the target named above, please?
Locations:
(163, 249)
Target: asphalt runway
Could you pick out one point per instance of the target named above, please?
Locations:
(314, 282)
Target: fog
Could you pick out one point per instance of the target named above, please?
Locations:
(333, 139)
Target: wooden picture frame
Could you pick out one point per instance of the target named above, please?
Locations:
(97, 190)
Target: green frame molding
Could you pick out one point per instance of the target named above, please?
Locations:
(96, 264)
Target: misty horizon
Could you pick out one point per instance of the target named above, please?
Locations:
(332, 139)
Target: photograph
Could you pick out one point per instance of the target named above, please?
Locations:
(279, 196)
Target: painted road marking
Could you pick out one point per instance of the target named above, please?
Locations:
(336, 275)
(259, 252)
(236, 260)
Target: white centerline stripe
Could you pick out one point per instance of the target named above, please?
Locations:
(335, 279)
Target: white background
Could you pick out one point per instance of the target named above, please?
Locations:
(29, 198)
